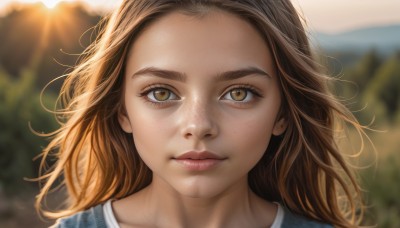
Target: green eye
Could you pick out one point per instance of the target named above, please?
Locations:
(238, 94)
(160, 95)
(241, 95)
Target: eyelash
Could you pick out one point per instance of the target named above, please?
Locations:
(151, 88)
(155, 87)
(247, 87)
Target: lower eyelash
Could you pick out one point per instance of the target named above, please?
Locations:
(149, 90)
(156, 104)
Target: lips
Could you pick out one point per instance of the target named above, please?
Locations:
(199, 161)
(199, 156)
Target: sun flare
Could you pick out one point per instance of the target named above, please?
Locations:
(50, 4)
(56, 21)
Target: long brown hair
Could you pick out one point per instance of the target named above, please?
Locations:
(303, 168)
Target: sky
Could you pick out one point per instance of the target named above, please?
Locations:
(328, 16)
(333, 16)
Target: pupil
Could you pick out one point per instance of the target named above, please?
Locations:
(161, 95)
(239, 94)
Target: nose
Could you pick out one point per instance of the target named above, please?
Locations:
(198, 121)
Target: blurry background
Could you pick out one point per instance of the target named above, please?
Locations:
(358, 41)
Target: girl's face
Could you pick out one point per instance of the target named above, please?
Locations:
(202, 100)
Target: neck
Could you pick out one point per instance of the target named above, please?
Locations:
(238, 206)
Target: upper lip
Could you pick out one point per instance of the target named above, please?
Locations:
(195, 155)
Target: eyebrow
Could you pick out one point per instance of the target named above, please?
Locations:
(179, 76)
(167, 74)
(240, 73)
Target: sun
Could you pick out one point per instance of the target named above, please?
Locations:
(50, 4)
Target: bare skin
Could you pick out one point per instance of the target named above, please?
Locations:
(155, 208)
(177, 101)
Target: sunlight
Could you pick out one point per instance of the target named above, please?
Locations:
(50, 4)
(55, 21)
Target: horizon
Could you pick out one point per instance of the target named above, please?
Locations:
(333, 17)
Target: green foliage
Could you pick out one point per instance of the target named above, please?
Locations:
(20, 106)
(362, 73)
(385, 86)
(383, 187)
(372, 85)
(365, 70)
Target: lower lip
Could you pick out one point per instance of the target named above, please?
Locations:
(199, 164)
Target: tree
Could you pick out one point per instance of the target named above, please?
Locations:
(20, 106)
(385, 86)
(365, 70)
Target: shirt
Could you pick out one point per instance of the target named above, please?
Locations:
(95, 217)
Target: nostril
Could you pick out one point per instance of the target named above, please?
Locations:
(207, 135)
(199, 130)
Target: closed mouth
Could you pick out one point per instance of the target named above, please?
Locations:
(199, 161)
(203, 155)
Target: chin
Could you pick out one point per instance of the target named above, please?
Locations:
(199, 189)
(198, 193)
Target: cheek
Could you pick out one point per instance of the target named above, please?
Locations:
(250, 135)
(254, 135)
(246, 142)
(150, 130)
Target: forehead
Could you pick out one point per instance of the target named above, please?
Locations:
(215, 41)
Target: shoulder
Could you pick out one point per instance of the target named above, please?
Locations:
(293, 220)
(93, 217)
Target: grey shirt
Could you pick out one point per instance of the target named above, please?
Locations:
(94, 218)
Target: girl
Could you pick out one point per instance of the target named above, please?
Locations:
(201, 113)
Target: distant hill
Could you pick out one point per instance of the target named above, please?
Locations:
(386, 39)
